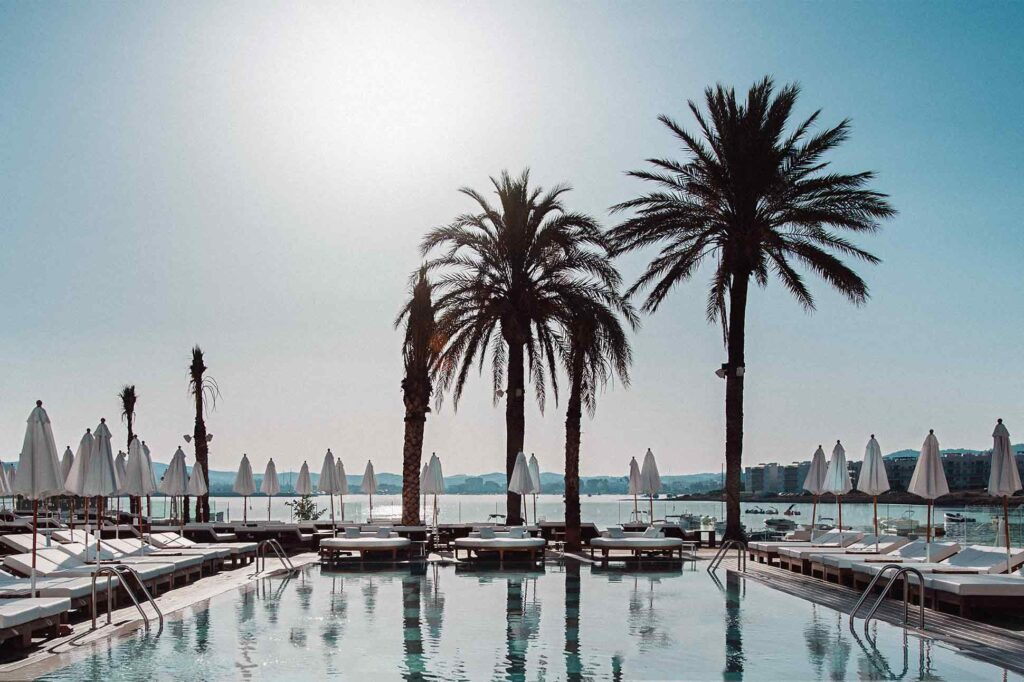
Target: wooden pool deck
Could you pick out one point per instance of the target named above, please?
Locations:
(990, 643)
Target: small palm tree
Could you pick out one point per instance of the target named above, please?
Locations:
(506, 272)
(594, 349)
(128, 398)
(754, 201)
(420, 349)
(204, 391)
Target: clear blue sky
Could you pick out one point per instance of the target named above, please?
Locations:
(255, 177)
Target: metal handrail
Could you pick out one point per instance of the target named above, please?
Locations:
(899, 571)
(123, 569)
(741, 555)
(109, 572)
(278, 551)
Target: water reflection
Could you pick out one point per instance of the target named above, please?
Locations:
(412, 634)
(515, 645)
(434, 605)
(573, 663)
(734, 658)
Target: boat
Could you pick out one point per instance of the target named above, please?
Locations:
(957, 517)
(780, 525)
(792, 512)
(686, 520)
(903, 526)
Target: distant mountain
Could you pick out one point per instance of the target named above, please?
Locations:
(1018, 448)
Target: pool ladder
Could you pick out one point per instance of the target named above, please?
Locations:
(273, 544)
(122, 572)
(741, 555)
(900, 571)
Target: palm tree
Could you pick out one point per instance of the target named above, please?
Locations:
(506, 273)
(594, 349)
(202, 388)
(752, 200)
(128, 398)
(419, 352)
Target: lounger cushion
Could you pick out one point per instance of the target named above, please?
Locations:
(517, 532)
(496, 543)
(365, 543)
(352, 533)
(17, 612)
(636, 542)
(487, 533)
(384, 532)
(977, 585)
(616, 533)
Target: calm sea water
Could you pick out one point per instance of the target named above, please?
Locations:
(609, 510)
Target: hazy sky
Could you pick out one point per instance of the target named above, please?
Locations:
(255, 178)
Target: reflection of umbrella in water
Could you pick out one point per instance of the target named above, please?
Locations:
(433, 605)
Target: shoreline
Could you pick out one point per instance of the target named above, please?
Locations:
(955, 499)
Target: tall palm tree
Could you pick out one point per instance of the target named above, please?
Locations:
(203, 389)
(419, 352)
(594, 349)
(506, 272)
(753, 200)
(128, 398)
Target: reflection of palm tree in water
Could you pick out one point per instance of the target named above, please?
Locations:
(816, 637)
(515, 643)
(370, 590)
(202, 614)
(247, 640)
(412, 641)
(573, 664)
(839, 652)
(733, 629)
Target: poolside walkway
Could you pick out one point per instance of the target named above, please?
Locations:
(61, 651)
(987, 642)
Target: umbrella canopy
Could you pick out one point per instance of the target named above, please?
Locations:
(5, 485)
(837, 476)
(120, 467)
(270, 485)
(196, 482)
(138, 472)
(534, 473)
(74, 482)
(1003, 479)
(521, 482)
(38, 474)
(303, 485)
(244, 485)
(175, 480)
(433, 483)
(650, 479)
(369, 482)
(873, 480)
(342, 478)
(149, 464)
(65, 464)
(101, 475)
(329, 482)
(815, 481)
(929, 480)
(634, 477)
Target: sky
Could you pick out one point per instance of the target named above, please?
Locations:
(255, 177)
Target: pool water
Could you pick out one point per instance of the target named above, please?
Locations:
(565, 622)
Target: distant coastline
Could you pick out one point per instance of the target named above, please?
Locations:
(963, 498)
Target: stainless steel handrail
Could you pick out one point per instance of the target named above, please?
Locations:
(741, 555)
(123, 569)
(899, 571)
(278, 551)
(110, 573)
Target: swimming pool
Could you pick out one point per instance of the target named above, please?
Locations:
(565, 622)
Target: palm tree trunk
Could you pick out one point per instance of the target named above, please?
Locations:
(572, 463)
(515, 427)
(734, 405)
(202, 458)
(412, 455)
(133, 502)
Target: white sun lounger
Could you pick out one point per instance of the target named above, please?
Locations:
(801, 559)
(976, 559)
(486, 542)
(21, 619)
(240, 552)
(965, 594)
(55, 562)
(766, 552)
(185, 568)
(853, 569)
(333, 550)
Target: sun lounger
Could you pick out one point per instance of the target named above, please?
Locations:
(976, 559)
(240, 552)
(335, 550)
(21, 619)
(799, 559)
(767, 552)
(486, 543)
(816, 566)
(965, 594)
(651, 544)
(212, 560)
(186, 568)
(56, 562)
(78, 589)
(851, 569)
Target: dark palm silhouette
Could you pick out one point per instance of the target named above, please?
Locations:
(594, 349)
(752, 200)
(128, 398)
(505, 274)
(419, 352)
(203, 389)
